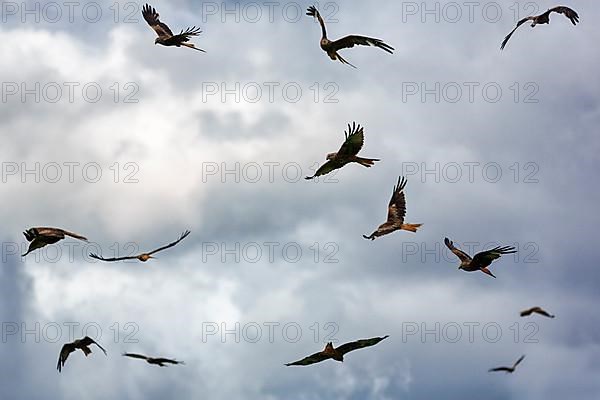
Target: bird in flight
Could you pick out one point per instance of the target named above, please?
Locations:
(42, 236)
(481, 260)
(81, 344)
(332, 47)
(355, 139)
(543, 19)
(143, 257)
(537, 310)
(337, 353)
(508, 370)
(396, 213)
(155, 361)
(165, 36)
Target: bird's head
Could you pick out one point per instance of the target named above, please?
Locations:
(331, 156)
(145, 257)
(157, 41)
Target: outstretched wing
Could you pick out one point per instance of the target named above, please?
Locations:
(528, 312)
(326, 168)
(97, 257)
(485, 258)
(355, 40)
(312, 359)
(521, 22)
(168, 361)
(134, 355)
(459, 253)
(355, 139)
(152, 18)
(568, 12)
(397, 204)
(505, 369)
(518, 361)
(64, 354)
(359, 344)
(183, 236)
(87, 341)
(184, 36)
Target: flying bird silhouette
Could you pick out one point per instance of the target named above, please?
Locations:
(42, 236)
(143, 257)
(155, 361)
(165, 36)
(508, 370)
(481, 260)
(396, 213)
(81, 344)
(355, 139)
(537, 310)
(543, 19)
(337, 353)
(332, 47)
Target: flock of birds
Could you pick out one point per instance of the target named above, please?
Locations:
(42, 236)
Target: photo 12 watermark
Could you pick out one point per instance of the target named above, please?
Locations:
(263, 172)
(469, 332)
(69, 92)
(71, 172)
(55, 332)
(469, 92)
(518, 172)
(255, 332)
(269, 92)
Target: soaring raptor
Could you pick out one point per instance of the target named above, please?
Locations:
(355, 139)
(81, 344)
(536, 310)
(508, 370)
(155, 361)
(543, 19)
(337, 353)
(396, 213)
(332, 47)
(143, 257)
(481, 260)
(42, 236)
(165, 36)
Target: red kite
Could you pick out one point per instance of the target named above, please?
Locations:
(543, 19)
(165, 36)
(332, 47)
(508, 370)
(40, 237)
(537, 310)
(355, 139)
(82, 344)
(337, 353)
(155, 361)
(396, 213)
(481, 260)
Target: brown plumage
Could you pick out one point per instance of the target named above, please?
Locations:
(337, 353)
(143, 257)
(543, 19)
(508, 370)
(165, 36)
(68, 348)
(154, 361)
(332, 47)
(537, 310)
(42, 236)
(355, 139)
(481, 260)
(396, 213)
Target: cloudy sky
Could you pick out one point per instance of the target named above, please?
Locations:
(129, 143)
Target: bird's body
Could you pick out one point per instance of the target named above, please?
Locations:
(331, 47)
(152, 360)
(42, 236)
(543, 19)
(536, 310)
(396, 214)
(143, 257)
(481, 261)
(81, 344)
(165, 35)
(347, 153)
(338, 353)
(508, 370)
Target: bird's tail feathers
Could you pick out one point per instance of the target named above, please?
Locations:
(410, 227)
(191, 46)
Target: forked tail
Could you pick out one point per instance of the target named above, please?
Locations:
(410, 227)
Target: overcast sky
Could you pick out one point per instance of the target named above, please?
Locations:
(130, 143)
